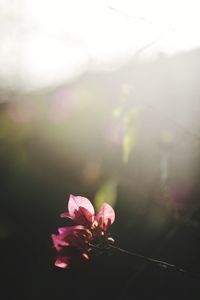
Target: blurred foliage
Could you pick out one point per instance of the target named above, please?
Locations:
(129, 122)
(106, 193)
(12, 139)
(167, 137)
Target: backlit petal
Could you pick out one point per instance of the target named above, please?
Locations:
(68, 236)
(71, 258)
(106, 216)
(62, 262)
(68, 230)
(58, 242)
(81, 210)
(65, 215)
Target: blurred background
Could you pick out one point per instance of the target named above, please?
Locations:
(102, 100)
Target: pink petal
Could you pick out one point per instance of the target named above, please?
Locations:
(63, 230)
(81, 210)
(106, 216)
(58, 242)
(77, 237)
(71, 258)
(62, 262)
(65, 215)
(69, 229)
(66, 236)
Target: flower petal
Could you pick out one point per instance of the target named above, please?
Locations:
(68, 236)
(69, 229)
(77, 237)
(81, 210)
(62, 262)
(65, 215)
(71, 258)
(105, 216)
(58, 242)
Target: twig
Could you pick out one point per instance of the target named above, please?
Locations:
(129, 16)
(149, 44)
(161, 263)
(149, 259)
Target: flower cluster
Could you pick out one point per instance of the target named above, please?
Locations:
(75, 244)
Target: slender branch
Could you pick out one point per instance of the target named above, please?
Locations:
(149, 44)
(129, 16)
(149, 259)
(161, 263)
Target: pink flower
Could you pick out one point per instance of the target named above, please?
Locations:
(76, 244)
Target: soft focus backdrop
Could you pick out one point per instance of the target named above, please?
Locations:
(117, 124)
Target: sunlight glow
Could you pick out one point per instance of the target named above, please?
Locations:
(55, 41)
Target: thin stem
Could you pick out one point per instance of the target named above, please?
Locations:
(149, 259)
(161, 263)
